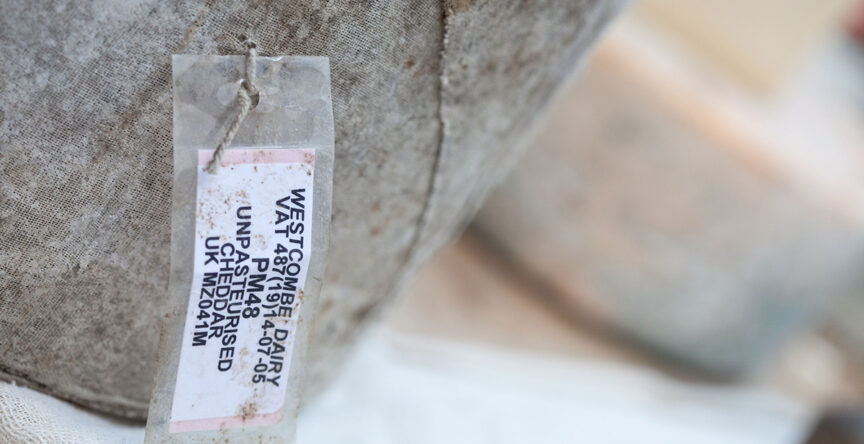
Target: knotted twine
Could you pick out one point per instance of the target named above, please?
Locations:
(245, 95)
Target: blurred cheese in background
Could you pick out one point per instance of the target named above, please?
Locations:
(666, 199)
(856, 23)
(762, 42)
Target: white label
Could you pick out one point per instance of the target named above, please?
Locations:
(252, 247)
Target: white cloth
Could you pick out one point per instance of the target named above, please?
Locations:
(30, 417)
(423, 392)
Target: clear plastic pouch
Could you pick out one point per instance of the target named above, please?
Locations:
(248, 249)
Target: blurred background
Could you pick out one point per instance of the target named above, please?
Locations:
(678, 259)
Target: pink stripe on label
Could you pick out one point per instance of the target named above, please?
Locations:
(194, 425)
(258, 156)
